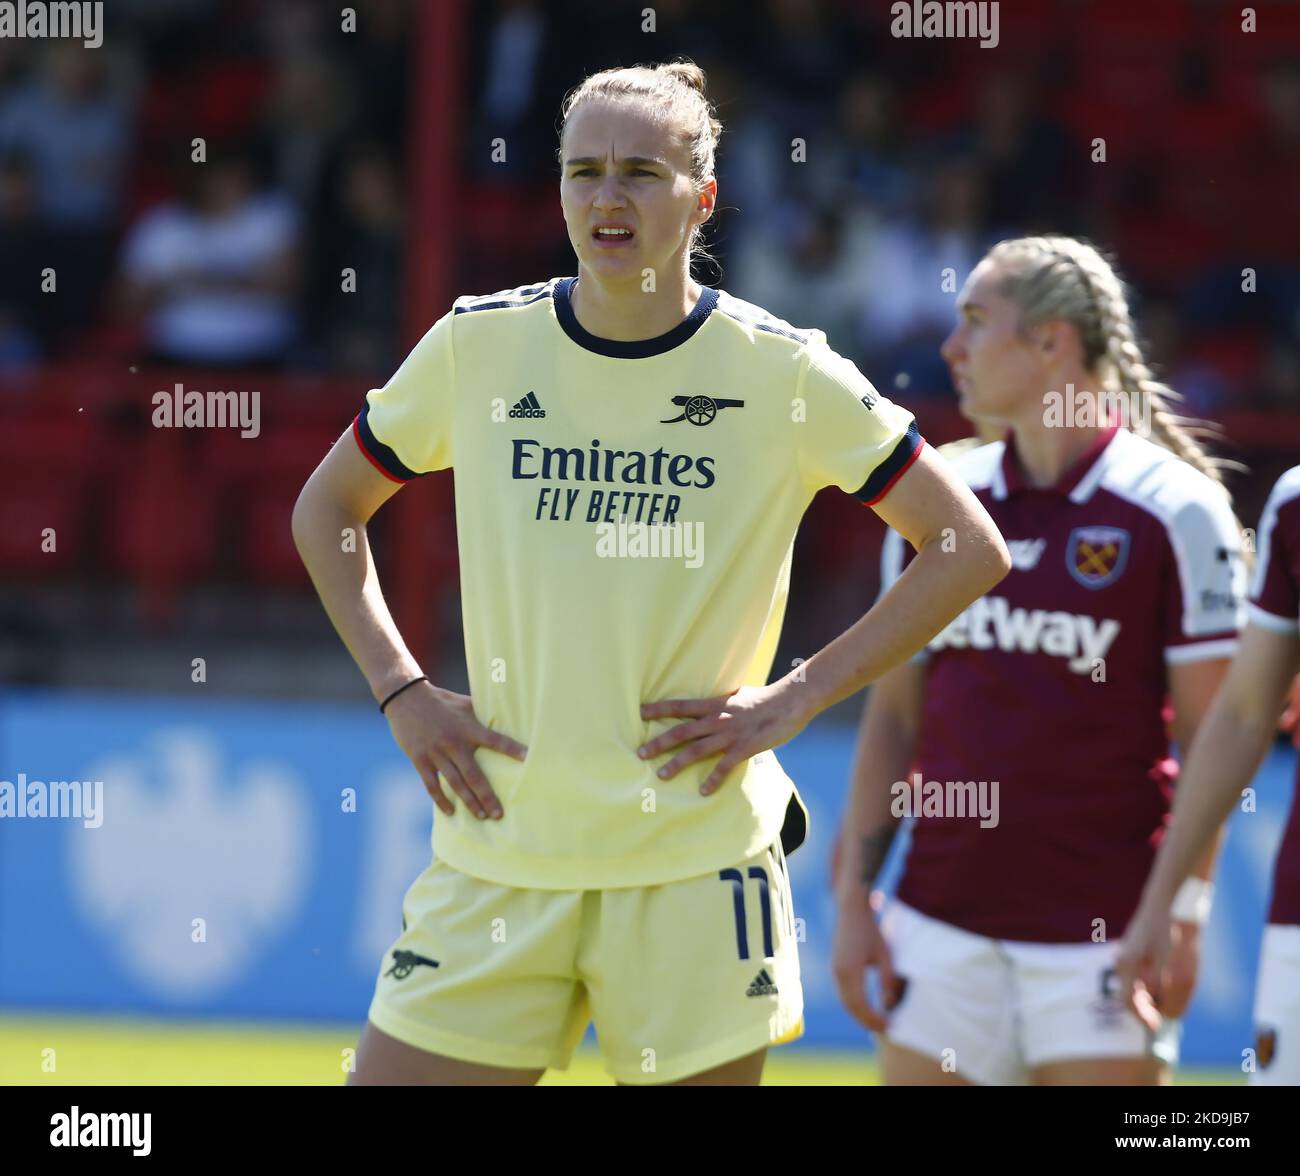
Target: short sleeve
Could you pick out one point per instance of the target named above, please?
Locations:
(850, 436)
(1275, 593)
(1206, 592)
(405, 428)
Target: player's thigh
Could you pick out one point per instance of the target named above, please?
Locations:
(957, 1014)
(1102, 1072)
(900, 1066)
(482, 973)
(1077, 1029)
(1277, 1009)
(689, 979)
(385, 1061)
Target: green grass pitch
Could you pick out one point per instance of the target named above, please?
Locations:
(93, 1051)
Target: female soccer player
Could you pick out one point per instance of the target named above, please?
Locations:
(1031, 742)
(1228, 750)
(633, 453)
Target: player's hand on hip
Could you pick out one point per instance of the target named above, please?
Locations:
(1142, 964)
(440, 734)
(860, 946)
(736, 727)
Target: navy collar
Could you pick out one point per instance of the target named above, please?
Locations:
(630, 348)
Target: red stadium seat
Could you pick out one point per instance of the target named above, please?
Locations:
(267, 551)
(163, 525)
(27, 509)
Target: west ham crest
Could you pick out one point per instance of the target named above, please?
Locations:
(1096, 556)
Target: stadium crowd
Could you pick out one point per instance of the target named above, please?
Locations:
(861, 175)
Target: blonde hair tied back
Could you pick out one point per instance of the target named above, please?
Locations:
(676, 91)
(1055, 277)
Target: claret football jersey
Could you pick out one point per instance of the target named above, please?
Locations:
(1044, 727)
(1275, 605)
(625, 514)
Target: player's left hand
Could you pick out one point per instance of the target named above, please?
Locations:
(1157, 965)
(1180, 969)
(736, 727)
(1141, 962)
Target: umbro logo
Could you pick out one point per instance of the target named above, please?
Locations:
(405, 962)
(529, 406)
(762, 985)
(700, 410)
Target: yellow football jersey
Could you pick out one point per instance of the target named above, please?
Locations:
(626, 514)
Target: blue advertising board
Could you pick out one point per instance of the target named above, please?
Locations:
(248, 860)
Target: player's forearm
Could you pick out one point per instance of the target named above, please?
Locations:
(1223, 759)
(883, 756)
(348, 587)
(936, 587)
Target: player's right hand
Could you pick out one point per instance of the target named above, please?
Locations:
(859, 947)
(439, 733)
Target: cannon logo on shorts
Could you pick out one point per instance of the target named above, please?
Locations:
(405, 962)
(991, 623)
(700, 410)
(1096, 556)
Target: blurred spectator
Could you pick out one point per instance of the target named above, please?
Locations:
(813, 279)
(865, 156)
(1032, 172)
(514, 101)
(74, 126)
(1280, 382)
(215, 274)
(28, 245)
(381, 65)
(300, 134)
(1201, 385)
(71, 123)
(360, 328)
(912, 276)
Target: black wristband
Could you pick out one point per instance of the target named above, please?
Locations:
(395, 693)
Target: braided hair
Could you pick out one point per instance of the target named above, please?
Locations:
(1054, 277)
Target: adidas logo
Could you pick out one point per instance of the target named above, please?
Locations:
(762, 985)
(529, 406)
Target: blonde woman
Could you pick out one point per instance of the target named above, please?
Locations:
(633, 452)
(1030, 740)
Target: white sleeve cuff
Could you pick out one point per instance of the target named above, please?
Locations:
(1272, 622)
(1181, 655)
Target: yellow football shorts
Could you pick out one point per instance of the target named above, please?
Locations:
(678, 978)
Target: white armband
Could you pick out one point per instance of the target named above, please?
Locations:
(1192, 902)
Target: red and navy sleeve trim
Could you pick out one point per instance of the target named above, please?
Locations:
(892, 468)
(376, 452)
